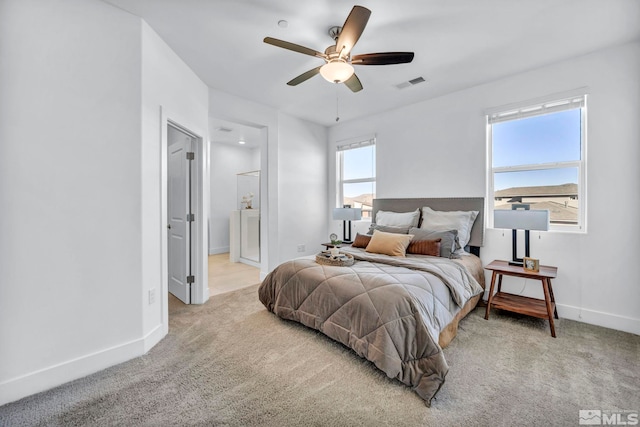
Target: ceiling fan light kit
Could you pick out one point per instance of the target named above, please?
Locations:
(338, 67)
(336, 71)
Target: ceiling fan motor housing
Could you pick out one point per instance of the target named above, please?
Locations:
(331, 53)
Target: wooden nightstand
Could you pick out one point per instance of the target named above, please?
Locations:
(544, 309)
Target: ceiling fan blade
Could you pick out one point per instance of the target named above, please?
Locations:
(304, 77)
(352, 29)
(294, 47)
(353, 83)
(385, 58)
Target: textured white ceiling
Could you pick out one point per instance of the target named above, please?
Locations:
(457, 44)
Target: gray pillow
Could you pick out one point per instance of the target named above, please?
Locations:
(449, 244)
(389, 229)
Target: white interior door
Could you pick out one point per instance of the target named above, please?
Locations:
(179, 207)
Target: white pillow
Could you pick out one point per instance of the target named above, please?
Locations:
(398, 219)
(449, 220)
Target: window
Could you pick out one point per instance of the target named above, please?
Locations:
(356, 163)
(536, 157)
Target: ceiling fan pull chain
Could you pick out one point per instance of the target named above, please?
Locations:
(337, 111)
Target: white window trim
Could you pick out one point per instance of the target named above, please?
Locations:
(534, 103)
(520, 110)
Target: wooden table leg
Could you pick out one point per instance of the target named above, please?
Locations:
(553, 299)
(493, 282)
(499, 282)
(547, 300)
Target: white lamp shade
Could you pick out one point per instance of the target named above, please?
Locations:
(518, 219)
(347, 214)
(336, 71)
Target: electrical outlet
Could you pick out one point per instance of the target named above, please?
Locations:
(301, 248)
(152, 296)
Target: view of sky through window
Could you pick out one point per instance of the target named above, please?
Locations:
(536, 140)
(359, 163)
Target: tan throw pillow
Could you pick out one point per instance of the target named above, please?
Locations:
(392, 244)
(361, 241)
(425, 247)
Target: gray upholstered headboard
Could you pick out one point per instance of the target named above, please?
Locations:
(440, 204)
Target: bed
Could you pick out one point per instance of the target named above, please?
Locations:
(398, 312)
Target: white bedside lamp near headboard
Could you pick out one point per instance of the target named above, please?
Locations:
(521, 219)
(347, 215)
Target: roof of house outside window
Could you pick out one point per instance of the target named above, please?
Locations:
(564, 190)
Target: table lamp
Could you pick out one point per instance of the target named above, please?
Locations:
(346, 215)
(521, 218)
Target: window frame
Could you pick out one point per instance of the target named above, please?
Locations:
(347, 145)
(581, 164)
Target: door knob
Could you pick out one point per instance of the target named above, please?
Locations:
(169, 226)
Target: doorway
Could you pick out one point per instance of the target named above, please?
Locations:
(236, 214)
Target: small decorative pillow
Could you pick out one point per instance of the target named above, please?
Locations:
(361, 241)
(449, 220)
(389, 229)
(392, 244)
(398, 219)
(425, 247)
(448, 245)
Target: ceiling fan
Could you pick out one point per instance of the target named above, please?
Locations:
(338, 67)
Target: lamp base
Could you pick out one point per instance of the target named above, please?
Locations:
(515, 259)
(346, 231)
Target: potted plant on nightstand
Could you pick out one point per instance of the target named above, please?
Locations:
(335, 242)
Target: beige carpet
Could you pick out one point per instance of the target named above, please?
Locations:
(232, 363)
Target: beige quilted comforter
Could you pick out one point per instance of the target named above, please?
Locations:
(389, 310)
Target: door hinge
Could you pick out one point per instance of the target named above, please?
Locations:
(191, 217)
(191, 279)
(190, 155)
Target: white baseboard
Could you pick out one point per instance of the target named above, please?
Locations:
(598, 318)
(249, 262)
(153, 338)
(53, 376)
(592, 317)
(220, 250)
(205, 296)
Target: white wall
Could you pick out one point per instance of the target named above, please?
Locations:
(82, 187)
(255, 159)
(301, 187)
(226, 161)
(437, 148)
(70, 245)
(170, 91)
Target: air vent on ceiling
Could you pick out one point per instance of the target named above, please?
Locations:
(223, 129)
(411, 82)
